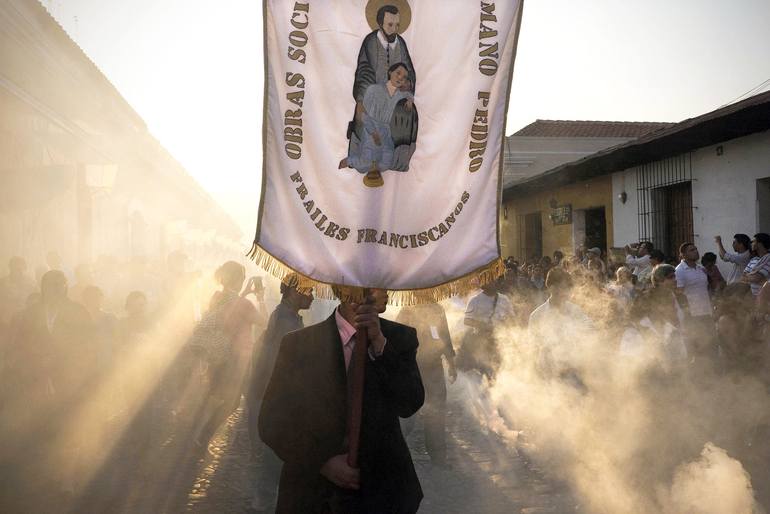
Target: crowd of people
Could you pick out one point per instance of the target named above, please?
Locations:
(716, 321)
(701, 337)
(131, 358)
(104, 358)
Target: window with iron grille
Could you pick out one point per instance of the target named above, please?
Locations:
(664, 193)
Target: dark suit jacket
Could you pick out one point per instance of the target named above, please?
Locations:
(65, 355)
(303, 419)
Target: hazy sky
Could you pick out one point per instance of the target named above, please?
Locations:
(193, 69)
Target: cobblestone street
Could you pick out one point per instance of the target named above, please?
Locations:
(485, 476)
(151, 470)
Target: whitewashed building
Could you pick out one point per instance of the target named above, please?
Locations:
(80, 173)
(704, 177)
(691, 181)
(528, 229)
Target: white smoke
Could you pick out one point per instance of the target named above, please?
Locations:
(626, 436)
(714, 484)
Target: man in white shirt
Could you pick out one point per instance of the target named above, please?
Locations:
(555, 327)
(692, 282)
(638, 259)
(488, 308)
(740, 259)
(485, 311)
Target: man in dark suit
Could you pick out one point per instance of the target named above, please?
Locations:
(54, 360)
(56, 347)
(284, 319)
(304, 413)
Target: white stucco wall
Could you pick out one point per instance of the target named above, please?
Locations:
(724, 193)
(625, 225)
(725, 187)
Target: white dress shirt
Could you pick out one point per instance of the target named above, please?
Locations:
(348, 338)
(640, 266)
(739, 262)
(695, 283)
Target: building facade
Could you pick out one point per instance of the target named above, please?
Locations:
(687, 182)
(720, 189)
(80, 174)
(537, 222)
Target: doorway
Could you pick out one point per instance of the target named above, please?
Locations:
(672, 222)
(596, 229)
(533, 236)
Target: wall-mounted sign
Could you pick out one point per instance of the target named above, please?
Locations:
(562, 215)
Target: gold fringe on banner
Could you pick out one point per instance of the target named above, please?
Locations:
(399, 297)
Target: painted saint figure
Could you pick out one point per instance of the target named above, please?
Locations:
(380, 52)
(376, 147)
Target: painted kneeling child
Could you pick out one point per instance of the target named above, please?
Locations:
(376, 150)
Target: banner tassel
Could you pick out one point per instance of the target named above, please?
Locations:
(399, 298)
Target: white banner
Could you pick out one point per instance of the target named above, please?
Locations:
(383, 131)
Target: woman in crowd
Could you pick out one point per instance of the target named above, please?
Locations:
(225, 338)
(655, 322)
(623, 287)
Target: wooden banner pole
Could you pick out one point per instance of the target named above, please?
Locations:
(357, 393)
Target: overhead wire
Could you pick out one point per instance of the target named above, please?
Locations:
(750, 91)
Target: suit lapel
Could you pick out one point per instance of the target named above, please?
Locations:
(388, 331)
(332, 348)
